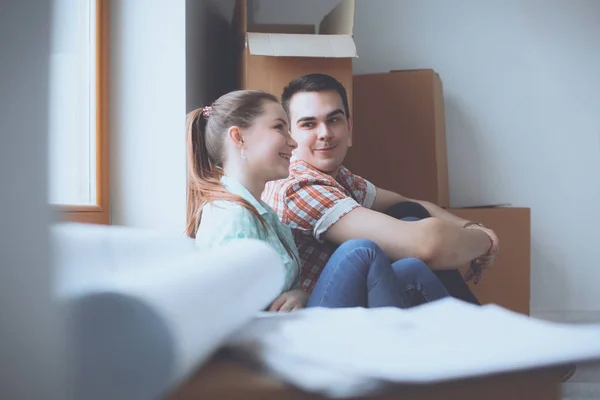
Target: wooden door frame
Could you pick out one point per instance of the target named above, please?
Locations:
(100, 212)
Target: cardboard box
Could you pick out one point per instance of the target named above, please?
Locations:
(507, 283)
(272, 55)
(399, 135)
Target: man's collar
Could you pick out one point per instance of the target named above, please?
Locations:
(295, 162)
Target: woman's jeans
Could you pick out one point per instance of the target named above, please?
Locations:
(360, 274)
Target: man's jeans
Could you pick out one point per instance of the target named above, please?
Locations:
(450, 278)
(360, 274)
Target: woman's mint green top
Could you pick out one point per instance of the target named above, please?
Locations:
(223, 221)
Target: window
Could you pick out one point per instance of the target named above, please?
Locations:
(78, 112)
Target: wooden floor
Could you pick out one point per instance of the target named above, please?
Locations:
(226, 379)
(584, 385)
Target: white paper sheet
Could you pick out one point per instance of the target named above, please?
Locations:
(316, 348)
(145, 310)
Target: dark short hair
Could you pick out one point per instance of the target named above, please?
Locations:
(314, 83)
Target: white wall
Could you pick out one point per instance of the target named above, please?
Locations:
(31, 349)
(148, 106)
(522, 93)
(167, 58)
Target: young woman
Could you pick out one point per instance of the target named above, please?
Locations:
(235, 147)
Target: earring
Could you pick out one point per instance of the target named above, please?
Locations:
(242, 155)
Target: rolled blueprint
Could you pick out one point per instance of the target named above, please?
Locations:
(144, 310)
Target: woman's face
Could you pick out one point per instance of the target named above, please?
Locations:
(268, 144)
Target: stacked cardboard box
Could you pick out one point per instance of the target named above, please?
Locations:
(400, 145)
(400, 137)
(271, 55)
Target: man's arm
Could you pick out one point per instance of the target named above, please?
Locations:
(439, 243)
(385, 199)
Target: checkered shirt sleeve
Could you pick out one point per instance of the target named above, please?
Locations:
(314, 208)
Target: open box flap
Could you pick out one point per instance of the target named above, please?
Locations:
(298, 45)
(340, 21)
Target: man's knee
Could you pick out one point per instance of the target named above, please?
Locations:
(364, 252)
(408, 209)
(411, 268)
(358, 244)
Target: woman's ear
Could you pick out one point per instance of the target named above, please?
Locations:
(235, 135)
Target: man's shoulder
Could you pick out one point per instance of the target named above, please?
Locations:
(276, 190)
(303, 174)
(347, 176)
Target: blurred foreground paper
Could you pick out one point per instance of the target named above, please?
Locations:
(144, 310)
(351, 352)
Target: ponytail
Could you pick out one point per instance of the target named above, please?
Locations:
(204, 174)
(200, 171)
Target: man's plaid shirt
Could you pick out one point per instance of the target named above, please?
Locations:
(310, 202)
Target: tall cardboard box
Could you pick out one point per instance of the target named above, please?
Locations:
(507, 283)
(399, 135)
(271, 55)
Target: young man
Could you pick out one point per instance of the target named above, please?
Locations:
(326, 205)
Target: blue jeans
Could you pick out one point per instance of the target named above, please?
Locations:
(360, 274)
(450, 278)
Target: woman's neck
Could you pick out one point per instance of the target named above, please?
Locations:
(254, 186)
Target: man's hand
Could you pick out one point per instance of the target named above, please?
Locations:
(290, 301)
(480, 264)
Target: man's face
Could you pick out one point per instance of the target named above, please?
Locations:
(321, 127)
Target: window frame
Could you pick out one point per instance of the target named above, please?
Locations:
(100, 212)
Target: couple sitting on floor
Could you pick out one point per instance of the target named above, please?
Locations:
(269, 171)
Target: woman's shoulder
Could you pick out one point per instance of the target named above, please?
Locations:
(224, 221)
(224, 208)
(226, 215)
